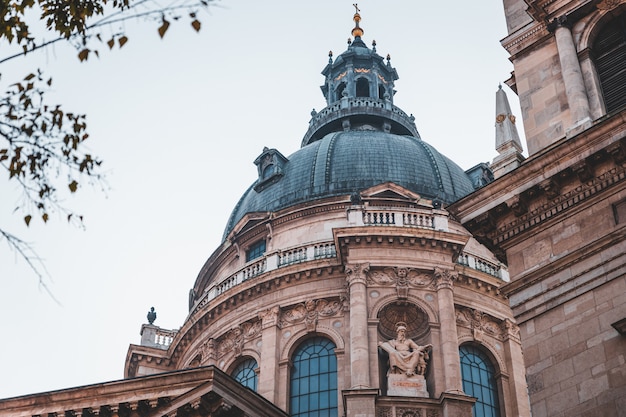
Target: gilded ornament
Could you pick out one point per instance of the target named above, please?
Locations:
(500, 118)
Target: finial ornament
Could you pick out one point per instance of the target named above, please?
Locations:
(357, 32)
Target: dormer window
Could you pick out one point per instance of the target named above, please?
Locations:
(270, 167)
(256, 250)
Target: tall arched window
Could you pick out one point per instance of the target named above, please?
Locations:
(314, 379)
(479, 381)
(244, 373)
(609, 50)
(339, 90)
(362, 87)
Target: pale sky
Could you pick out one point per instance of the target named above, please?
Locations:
(178, 123)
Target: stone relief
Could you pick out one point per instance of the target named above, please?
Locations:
(402, 277)
(208, 351)
(311, 310)
(480, 322)
(235, 338)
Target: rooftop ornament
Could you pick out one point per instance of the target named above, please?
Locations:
(357, 32)
(151, 315)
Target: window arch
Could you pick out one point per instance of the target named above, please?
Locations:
(313, 383)
(478, 374)
(339, 90)
(609, 51)
(245, 373)
(362, 87)
(381, 92)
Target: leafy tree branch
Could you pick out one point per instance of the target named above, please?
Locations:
(42, 145)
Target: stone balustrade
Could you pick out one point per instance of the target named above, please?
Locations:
(154, 336)
(480, 264)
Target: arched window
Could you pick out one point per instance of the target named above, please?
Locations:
(244, 373)
(314, 379)
(268, 171)
(381, 92)
(339, 90)
(362, 87)
(479, 381)
(609, 51)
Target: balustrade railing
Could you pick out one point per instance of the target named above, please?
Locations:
(482, 265)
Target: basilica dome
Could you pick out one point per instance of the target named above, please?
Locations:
(360, 140)
(344, 163)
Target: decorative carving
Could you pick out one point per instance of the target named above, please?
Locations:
(269, 317)
(340, 76)
(408, 412)
(311, 310)
(509, 329)
(357, 273)
(384, 412)
(362, 70)
(235, 338)
(518, 204)
(583, 170)
(401, 277)
(551, 187)
(617, 150)
(609, 4)
(405, 356)
(445, 278)
(207, 351)
(480, 323)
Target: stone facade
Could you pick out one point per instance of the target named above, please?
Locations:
(556, 219)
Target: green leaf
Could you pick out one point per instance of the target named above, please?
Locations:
(163, 28)
(27, 219)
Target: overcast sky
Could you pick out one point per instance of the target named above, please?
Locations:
(179, 122)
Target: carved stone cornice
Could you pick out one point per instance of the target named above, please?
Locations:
(357, 273)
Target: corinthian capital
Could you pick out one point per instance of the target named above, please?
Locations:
(357, 273)
(445, 278)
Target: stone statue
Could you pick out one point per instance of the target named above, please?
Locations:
(405, 356)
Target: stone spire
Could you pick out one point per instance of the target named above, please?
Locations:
(508, 143)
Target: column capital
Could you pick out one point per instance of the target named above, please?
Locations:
(357, 273)
(269, 317)
(445, 278)
(559, 22)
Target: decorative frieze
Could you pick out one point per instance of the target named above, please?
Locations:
(311, 310)
(235, 338)
(481, 323)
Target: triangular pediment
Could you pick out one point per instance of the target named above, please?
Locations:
(249, 221)
(391, 191)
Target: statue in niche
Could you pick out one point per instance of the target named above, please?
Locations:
(405, 356)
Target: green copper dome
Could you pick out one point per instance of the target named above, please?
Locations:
(358, 141)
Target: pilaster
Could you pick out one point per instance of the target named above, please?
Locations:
(449, 337)
(269, 369)
(359, 350)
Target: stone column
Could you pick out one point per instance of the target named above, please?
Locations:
(449, 337)
(520, 406)
(572, 74)
(268, 375)
(359, 347)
